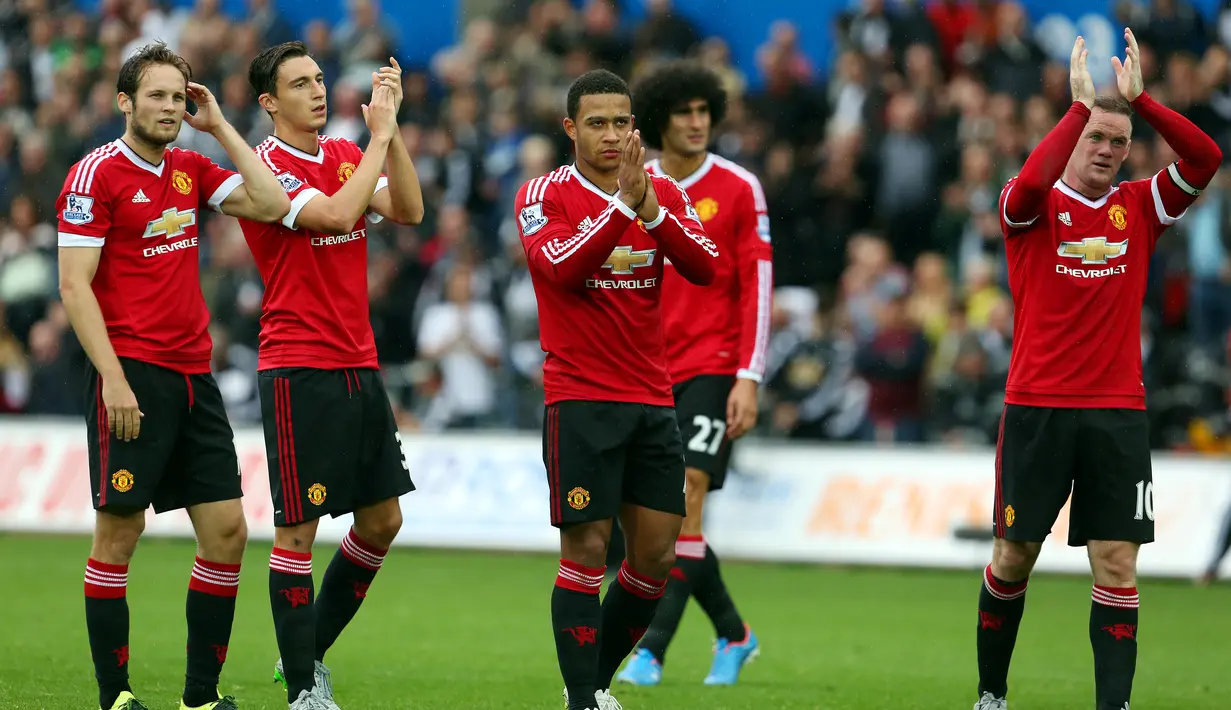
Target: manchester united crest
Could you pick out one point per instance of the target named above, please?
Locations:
(1009, 516)
(707, 208)
(1118, 216)
(578, 498)
(122, 480)
(316, 494)
(345, 170)
(181, 182)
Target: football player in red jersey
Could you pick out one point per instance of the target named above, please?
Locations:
(596, 235)
(157, 430)
(717, 337)
(1074, 418)
(330, 435)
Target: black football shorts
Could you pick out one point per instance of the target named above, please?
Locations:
(599, 455)
(701, 408)
(1101, 457)
(184, 454)
(331, 441)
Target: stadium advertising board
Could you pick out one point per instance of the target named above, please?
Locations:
(786, 502)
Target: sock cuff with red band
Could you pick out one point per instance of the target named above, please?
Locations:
(104, 580)
(216, 578)
(690, 547)
(361, 552)
(288, 562)
(579, 578)
(639, 584)
(1121, 597)
(1005, 591)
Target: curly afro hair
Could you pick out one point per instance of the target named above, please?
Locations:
(670, 88)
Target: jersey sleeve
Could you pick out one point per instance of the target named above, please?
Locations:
(678, 229)
(292, 178)
(555, 250)
(83, 209)
(754, 269)
(217, 183)
(1171, 195)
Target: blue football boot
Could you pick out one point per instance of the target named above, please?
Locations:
(729, 658)
(642, 669)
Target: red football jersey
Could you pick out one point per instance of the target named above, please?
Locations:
(315, 309)
(144, 218)
(597, 271)
(723, 328)
(1078, 272)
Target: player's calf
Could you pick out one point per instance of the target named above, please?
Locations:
(1002, 602)
(352, 570)
(1113, 620)
(576, 614)
(291, 596)
(222, 534)
(116, 532)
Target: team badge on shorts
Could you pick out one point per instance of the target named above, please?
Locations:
(316, 494)
(578, 498)
(122, 480)
(1009, 516)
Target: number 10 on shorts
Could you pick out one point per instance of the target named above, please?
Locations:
(1145, 500)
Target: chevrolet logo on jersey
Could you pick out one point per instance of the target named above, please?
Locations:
(1093, 250)
(623, 260)
(172, 223)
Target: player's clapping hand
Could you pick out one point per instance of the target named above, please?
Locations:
(1128, 72)
(390, 76)
(381, 114)
(1080, 80)
(123, 415)
(208, 117)
(631, 173)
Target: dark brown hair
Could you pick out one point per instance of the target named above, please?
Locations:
(149, 55)
(1113, 104)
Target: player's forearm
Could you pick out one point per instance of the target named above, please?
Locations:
(262, 186)
(693, 253)
(756, 278)
(571, 258)
(1199, 153)
(86, 317)
(404, 190)
(351, 201)
(1046, 164)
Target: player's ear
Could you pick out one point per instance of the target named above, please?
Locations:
(266, 101)
(570, 128)
(123, 102)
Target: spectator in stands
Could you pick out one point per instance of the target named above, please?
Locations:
(893, 365)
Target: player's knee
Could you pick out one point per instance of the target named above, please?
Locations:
(653, 558)
(116, 532)
(1114, 563)
(694, 496)
(224, 537)
(585, 543)
(1013, 561)
(380, 527)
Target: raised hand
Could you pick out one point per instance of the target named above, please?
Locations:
(1128, 72)
(208, 117)
(381, 114)
(631, 173)
(1080, 81)
(390, 76)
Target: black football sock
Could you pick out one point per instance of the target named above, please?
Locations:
(210, 611)
(344, 587)
(628, 610)
(1001, 605)
(711, 594)
(680, 585)
(1113, 636)
(577, 619)
(290, 597)
(106, 619)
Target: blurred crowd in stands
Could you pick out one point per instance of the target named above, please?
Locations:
(892, 317)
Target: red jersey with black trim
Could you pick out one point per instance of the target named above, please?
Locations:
(723, 328)
(144, 217)
(1078, 271)
(315, 309)
(597, 271)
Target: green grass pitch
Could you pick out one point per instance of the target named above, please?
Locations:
(447, 630)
